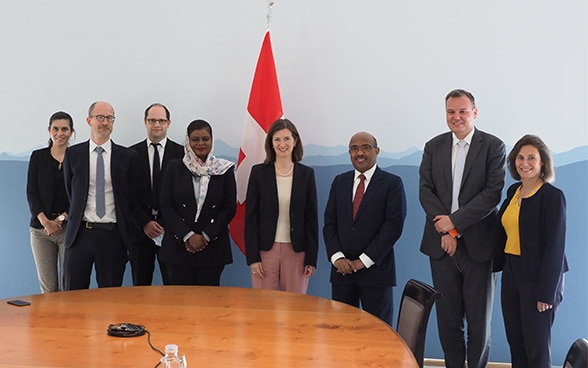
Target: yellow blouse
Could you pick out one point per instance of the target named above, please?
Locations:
(510, 222)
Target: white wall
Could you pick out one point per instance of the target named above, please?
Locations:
(383, 66)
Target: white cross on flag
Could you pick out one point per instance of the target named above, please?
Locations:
(264, 107)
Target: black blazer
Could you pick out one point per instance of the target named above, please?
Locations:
(172, 151)
(45, 187)
(481, 189)
(261, 212)
(125, 181)
(178, 204)
(542, 230)
(376, 228)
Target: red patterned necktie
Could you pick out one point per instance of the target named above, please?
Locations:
(358, 194)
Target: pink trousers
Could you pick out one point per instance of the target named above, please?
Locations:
(283, 269)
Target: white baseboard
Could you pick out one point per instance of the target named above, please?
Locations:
(441, 363)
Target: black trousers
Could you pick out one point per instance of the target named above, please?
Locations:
(528, 331)
(195, 275)
(102, 249)
(142, 257)
(468, 293)
(374, 300)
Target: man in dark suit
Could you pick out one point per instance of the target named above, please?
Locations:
(101, 181)
(148, 231)
(364, 217)
(460, 221)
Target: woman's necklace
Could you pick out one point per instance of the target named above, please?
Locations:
(519, 194)
(284, 174)
(58, 157)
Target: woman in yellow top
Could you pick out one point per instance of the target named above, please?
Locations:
(532, 237)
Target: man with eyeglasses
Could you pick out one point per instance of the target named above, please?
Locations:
(101, 178)
(155, 153)
(364, 217)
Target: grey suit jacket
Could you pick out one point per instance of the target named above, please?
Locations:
(125, 181)
(480, 193)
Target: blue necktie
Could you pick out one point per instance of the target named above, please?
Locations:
(458, 174)
(100, 202)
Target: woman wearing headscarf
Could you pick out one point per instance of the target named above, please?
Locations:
(198, 200)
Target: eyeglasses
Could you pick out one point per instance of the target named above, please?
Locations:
(160, 121)
(101, 118)
(363, 147)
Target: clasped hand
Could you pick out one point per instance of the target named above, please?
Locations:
(153, 229)
(449, 244)
(443, 224)
(52, 227)
(346, 266)
(196, 243)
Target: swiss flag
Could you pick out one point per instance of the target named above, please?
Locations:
(264, 107)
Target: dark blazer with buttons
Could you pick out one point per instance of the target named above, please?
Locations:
(542, 231)
(481, 189)
(261, 212)
(374, 231)
(124, 172)
(178, 206)
(45, 187)
(173, 151)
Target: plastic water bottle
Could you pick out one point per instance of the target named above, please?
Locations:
(172, 359)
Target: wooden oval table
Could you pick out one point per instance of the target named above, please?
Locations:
(213, 326)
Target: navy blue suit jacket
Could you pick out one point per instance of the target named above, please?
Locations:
(178, 206)
(125, 181)
(261, 212)
(542, 229)
(377, 226)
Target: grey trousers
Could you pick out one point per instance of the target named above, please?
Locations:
(47, 251)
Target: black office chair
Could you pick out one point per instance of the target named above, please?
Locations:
(415, 308)
(577, 356)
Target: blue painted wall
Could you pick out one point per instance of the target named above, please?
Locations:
(18, 275)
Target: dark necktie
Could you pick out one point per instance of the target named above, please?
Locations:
(358, 194)
(155, 177)
(100, 202)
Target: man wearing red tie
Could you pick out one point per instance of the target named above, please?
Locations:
(364, 217)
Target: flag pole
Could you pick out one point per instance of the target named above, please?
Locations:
(263, 108)
(270, 4)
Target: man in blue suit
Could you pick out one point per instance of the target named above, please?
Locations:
(364, 217)
(101, 180)
(460, 222)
